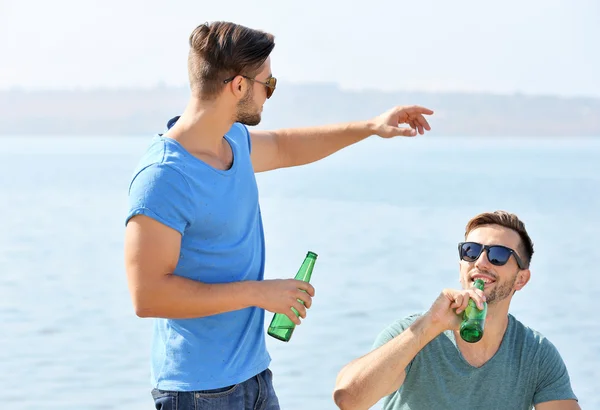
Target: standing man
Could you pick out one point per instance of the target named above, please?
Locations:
(421, 362)
(194, 245)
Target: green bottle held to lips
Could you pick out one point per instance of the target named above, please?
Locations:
(281, 326)
(473, 323)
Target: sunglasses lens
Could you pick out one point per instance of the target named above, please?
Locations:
(271, 84)
(498, 255)
(470, 251)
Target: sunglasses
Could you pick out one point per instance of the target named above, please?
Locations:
(497, 255)
(270, 84)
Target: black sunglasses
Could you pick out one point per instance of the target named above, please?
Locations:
(270, 84)
(498, 255)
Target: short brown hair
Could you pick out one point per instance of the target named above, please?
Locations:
(507, 220)
(221, 50)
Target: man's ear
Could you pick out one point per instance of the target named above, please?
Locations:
(522, 278)
(237, 86)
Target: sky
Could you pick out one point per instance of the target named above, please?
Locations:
(549, 47)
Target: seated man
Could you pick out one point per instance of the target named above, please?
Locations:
(421, 362)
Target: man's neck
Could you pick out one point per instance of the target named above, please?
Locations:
(477, 354)
(202, 126)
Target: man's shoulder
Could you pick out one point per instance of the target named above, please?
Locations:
(162, 159)
(531, 339)
(395, 328)
(544, 361)
(401, 325)
(161, 169)
(526, 333)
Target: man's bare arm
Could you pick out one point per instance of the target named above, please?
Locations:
(364, 381)
(558, 405)
(291, 147)
(151, 255)
(299, 146)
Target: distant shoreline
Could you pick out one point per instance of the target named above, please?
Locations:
(144, 111)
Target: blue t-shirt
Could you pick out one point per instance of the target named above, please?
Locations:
(217, 213)
(525, 371)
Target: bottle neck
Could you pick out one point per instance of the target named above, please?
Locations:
(306, 269)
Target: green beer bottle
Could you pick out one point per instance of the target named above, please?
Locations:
(471, 327)
(281, 326)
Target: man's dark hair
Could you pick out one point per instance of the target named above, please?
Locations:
(221, 50)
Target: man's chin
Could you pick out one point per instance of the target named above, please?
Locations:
(251, 121)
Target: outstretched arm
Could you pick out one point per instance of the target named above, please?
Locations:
(298, 146)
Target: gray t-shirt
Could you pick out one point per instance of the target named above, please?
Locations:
(525, 371)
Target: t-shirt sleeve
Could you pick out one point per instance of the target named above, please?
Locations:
(553, 381)
(161, 193)
(394, 330)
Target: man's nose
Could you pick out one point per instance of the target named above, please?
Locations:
(483, 262)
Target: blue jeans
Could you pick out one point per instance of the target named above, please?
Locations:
(256, 393)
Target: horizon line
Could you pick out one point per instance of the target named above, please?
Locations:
(326, 84)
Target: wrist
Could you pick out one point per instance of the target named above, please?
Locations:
(251, 293)
(369, 126)
(431, 326)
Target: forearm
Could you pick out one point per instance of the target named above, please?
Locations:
(364, 381)
(299, 146)
(176, 297)
(558, 405)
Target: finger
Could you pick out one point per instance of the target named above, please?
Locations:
(305, 286)
(292, 316)
(405, 132)
(412, 124)
(458, 299)
(423, 122)
(418, 127)
(476, 298)
(299, 308)
(417, 109)
(304, 297)
(463, 303)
